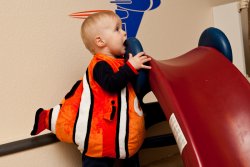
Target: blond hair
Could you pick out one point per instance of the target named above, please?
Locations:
(89, 28)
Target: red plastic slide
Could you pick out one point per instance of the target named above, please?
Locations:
(207, 103)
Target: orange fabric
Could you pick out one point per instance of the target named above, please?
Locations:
(136, 127)
(102, 139)
(67, 116)
(103, 130)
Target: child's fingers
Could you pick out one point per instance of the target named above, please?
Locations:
(146, 59)
(146, 67)
(140, 54)
(130, 55)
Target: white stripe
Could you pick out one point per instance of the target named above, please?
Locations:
(54, 117)
(137, 108)
(123, 122)
(82, 122)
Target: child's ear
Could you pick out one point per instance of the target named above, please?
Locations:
(99, 42)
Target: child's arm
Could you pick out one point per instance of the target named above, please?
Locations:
(111, 81)
(114, 82)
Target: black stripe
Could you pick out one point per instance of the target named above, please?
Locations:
(74, 131)
(127, 124)
(50, 117)
(35, 127)
(90, 116)
(72, 91)
(117, 148)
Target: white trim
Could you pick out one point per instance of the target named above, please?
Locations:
(54, 117)
(123, 122)
(137, 108)
(82, 121)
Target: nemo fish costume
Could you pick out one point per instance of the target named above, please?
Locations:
(101, 123)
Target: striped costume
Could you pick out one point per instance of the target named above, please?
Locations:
(102, 124)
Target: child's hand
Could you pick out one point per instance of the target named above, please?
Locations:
(138, 61)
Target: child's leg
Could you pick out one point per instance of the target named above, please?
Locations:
(97, 162)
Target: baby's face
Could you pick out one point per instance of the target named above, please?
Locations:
(113, 36)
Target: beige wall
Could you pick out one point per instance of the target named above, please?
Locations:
(42, 56)
(220, 2)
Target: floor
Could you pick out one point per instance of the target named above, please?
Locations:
(168, 156)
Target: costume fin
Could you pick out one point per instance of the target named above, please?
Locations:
(60, 119)
(41, 121)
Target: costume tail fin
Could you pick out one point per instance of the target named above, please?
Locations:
(60, 119)
(41, 121)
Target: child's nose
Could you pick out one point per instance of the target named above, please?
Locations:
(125, 33)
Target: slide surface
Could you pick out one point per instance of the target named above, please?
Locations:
(207, 103)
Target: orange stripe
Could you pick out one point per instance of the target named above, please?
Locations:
(102, 136)
(95, 143)
(102, 132)
(136, 126)
(109, 135)
(67, 116)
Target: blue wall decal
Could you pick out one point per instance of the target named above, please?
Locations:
(132, 11)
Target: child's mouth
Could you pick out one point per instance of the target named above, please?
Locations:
(124, 43)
